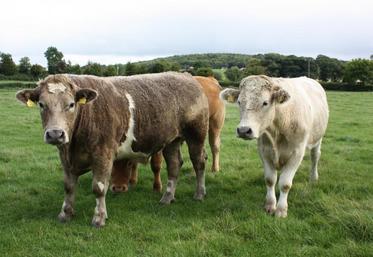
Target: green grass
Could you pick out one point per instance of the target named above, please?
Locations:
(331, 218)
(14, 81)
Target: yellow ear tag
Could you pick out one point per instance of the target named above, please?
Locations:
(30, 103)
(82, 100)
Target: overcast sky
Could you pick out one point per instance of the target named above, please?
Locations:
(110, 31)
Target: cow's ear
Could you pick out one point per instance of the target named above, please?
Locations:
(85, 95)
(28, 96)
(280, 95)
(230, 95)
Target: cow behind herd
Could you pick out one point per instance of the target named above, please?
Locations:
(109, 125)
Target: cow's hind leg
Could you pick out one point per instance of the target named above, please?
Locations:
(67, 210)
(286, 180)
(215, 125)
(101, 174)
(198, 157)
(315, 157)
(172, 156)
(214, 141)
(156, 164)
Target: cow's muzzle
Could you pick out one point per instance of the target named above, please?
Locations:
(245, 133)
(55, 136)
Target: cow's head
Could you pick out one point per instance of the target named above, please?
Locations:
(59, 101)
(257, 98)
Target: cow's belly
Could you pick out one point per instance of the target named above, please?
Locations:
(125, 151)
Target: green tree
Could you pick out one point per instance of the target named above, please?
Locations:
(159, 66)
(217, 75)
(7, 65)
(130, 69)
(110, 70)
(233, 74)
(24, 65)
(330, 68)
(73, 69)
(37, 71)
(93, 68)
(254, 67)
(56, 64)
(174, 66)
(359, 70)
(205, 72)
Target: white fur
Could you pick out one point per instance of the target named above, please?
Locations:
(55, 88)
(286, 133)
(125, 149)
(101, 186)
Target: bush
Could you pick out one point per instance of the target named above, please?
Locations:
(226, 83)
(18, 76)
(16, 84)
(342, 86)
(205, 72)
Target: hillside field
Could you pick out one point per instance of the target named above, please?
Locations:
(331, 218)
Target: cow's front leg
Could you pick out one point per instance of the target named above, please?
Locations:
(100, 183)
(286, 180)
(173, 159)
(270, 177)
(67, 210)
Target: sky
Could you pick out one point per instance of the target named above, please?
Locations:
(118, 31)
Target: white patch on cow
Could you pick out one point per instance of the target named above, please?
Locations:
(63, 206)
(55, 88)
(101, 186)
(125, 149)
(171, 187)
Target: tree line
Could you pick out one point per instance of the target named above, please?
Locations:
(227, 68)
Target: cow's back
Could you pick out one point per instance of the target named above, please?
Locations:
(212, 89)
(307, 107)
(164, 105)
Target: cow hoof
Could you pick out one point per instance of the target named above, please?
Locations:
(98, 221)
(215, 169)
(167, 198)
(281, 212)
(119, 189)
(64, 217)
(270, 206)
(200, 195)
(157, 188)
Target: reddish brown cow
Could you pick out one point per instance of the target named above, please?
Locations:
(125, 172)
(94, 122)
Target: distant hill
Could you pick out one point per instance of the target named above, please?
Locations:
(213, 60)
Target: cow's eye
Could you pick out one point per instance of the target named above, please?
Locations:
(71, 105)
(238, 102)
(265, 103)
(41, 105)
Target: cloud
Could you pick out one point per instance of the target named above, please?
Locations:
(156, 28)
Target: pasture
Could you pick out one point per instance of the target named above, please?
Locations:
(331, 218)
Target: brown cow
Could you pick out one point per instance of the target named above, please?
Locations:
(125, 173)
(95, 121)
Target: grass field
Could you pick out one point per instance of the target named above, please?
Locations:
(331, 218)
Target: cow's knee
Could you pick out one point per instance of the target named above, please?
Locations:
(98, 188)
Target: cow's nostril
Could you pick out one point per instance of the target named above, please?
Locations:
(61, 133)
(249, 131)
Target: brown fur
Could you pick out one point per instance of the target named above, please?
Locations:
(164, 114)
(211, 88)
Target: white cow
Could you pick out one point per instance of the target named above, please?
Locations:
(286, 116)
